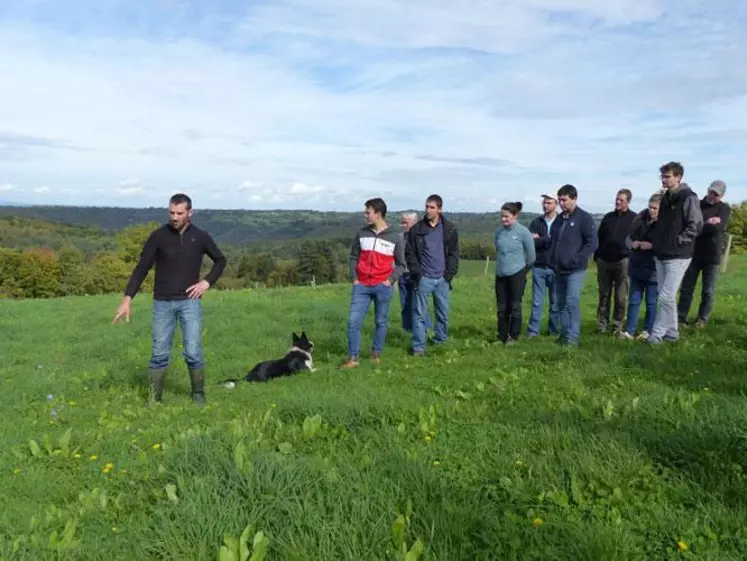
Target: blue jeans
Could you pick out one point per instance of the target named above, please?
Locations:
(360, 302)
(568, 288)
(543, 280)
(669, 274)
(407, 302)
(439, 288)
(638, 288)
(165, 315)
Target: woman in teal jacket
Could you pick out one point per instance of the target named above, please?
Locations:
(514, 256)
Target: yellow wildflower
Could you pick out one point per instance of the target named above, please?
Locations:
(93, 457)
(76, 456)
(16, 471)
(436, 463)
(156, 446)
(427, 438)
(682, 545)
(108, 467)
(537, 522)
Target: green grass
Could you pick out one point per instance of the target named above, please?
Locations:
(613, 451)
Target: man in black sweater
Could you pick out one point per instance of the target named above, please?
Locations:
(706, 256)
(611, 258)
(176, 249)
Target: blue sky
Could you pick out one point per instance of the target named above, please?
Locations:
(324, 103)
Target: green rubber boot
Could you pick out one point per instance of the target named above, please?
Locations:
(197, 377)
(156, 378)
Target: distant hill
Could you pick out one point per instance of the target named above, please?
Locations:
(18, 232)
(243, 226)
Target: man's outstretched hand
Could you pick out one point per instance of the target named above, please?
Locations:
(123, 310)
(197, 290)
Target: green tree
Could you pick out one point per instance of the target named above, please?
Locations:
(39, 274)
(10, 263)
(107, 274)
(738, 227)
(130, 241)
(72, 265)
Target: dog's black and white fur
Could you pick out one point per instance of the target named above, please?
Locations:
(297, 359)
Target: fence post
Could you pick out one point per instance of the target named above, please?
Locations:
(487, 262)
(725, 259)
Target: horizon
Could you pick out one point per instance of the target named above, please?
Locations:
(293, 103)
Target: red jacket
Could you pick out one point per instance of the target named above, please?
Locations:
(375, 258)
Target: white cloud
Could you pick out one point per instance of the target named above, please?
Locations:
(328, 103)
(42, 189)
(7, 187)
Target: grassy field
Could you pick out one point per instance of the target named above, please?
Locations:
(613, 451)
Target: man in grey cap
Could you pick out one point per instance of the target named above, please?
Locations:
(706, 257)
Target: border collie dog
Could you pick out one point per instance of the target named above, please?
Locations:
(297, 359)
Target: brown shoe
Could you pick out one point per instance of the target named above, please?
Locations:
(374, 356)
(350, 363)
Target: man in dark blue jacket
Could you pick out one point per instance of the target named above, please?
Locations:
(570, 252)
(543, 229)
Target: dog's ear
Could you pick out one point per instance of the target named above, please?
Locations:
(295, 337)
(303, 336)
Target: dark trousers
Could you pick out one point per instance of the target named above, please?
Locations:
(612, 276)
(707, 294)
(509, 291)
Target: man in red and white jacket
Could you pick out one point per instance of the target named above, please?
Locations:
(377, 259)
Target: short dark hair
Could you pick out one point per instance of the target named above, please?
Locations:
(675, 168)
(627, 192)
(180, 198)
(568, 190)
(377, 205)
(435, 199)
(514, 208)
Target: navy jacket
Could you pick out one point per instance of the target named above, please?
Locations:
(542, 244)
(641, 264)
(574, 244)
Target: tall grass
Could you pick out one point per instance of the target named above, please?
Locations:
(612, 451)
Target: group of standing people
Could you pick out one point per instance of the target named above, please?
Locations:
(648, 256)
(652, 254)
(422, 261)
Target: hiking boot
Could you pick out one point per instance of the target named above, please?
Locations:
(350, 363)
(156, 378)
(197, 377)
(375, 357)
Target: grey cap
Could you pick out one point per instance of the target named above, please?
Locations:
(718, 187)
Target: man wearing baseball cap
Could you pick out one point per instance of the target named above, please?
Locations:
(543, 228)
(707, 255)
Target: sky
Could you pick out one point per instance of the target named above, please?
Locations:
(322, 104)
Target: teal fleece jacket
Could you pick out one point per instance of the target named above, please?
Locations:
(514, 250)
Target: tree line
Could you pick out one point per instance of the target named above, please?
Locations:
(103, 263)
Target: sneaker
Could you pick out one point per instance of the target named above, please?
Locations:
(643, 335)
(413, 352)
(624, 335)
(510, 341)
(350, 363)
(374, 357)
(700, 323)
